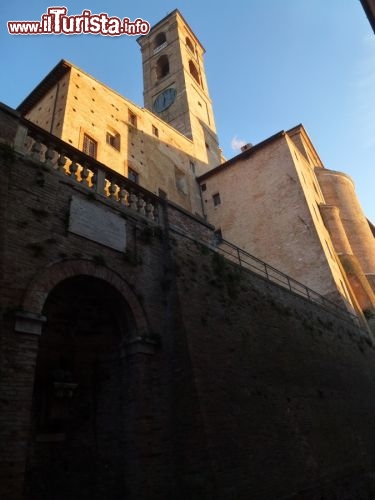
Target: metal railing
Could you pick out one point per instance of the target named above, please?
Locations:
(248, 261)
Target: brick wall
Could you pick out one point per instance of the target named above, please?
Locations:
(285, 389)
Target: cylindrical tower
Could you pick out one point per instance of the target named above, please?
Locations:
(338, 190)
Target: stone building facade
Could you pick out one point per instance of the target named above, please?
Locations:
(277, 201)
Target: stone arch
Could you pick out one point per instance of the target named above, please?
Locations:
(162, 67)
(82, 377)
(45, 281)
(194, 72)
(159, 39)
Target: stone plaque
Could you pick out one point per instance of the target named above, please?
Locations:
(97, 223)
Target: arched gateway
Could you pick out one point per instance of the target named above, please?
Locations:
(80, 405)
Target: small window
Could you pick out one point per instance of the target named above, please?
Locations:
(155, 131)
(194, 72)
(216, 199)
(133, 175)
(192, 166)
(132, 118)
(190, 44)
(207, 146)
(203, 187)
(90, 147)
(162, 67)
(113, 140)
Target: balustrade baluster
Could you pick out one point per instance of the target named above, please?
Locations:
(73, 169)
(133, 200)
(94, 180)
(112, 190)
(141, 205)
(149, 210)
(36, 150)
(85, 175)
(49, 156)
(61, 162)
(124, 197)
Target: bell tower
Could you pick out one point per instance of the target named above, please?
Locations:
(175, 86)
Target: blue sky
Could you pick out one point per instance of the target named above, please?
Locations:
(270, 64)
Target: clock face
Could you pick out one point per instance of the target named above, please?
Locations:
(164, 100)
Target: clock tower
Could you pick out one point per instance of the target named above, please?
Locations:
(175, 86)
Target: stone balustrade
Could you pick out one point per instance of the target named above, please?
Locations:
(55, 154)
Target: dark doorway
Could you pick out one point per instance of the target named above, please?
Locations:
(76, 443)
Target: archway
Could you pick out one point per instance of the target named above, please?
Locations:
(194, 72)
(162, 67)
(75, 444)
(159, 40)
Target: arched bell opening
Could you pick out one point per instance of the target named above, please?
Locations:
(162, 67)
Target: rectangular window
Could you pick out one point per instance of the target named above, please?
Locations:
(113, 140)
(155, 131)
(203, 187)
(133, 175)
(216, 199)
(90, 147)
(192, 166)
(132, 118)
